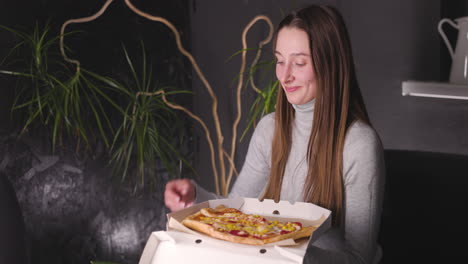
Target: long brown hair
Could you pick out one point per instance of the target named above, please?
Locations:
(338, 103)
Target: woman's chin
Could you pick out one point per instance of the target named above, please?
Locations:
(296, 101)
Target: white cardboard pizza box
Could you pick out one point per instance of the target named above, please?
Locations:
(180, 244)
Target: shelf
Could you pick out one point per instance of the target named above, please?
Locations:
(435, 89)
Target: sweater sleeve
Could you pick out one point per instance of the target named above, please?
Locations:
(256, 169)
(364, 176)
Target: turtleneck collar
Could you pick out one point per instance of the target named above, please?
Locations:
(305, 112)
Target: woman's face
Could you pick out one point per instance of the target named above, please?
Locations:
(294, 67)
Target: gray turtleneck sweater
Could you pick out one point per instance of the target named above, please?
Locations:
(363, 175)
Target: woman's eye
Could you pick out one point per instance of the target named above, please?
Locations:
(279, 62)
(299, 64)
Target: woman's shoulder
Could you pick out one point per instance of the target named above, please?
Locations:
(268, 120)
(265, 128)
(266, 123)
(360, 129)
(361, 136)
(362, 153)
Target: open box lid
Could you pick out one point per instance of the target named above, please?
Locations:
(179, 243)
(176, 247)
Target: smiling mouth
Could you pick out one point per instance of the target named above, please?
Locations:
(291, 89)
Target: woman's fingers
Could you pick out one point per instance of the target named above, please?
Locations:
(172, 196)
(179, 194)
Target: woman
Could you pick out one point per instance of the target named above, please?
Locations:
(318, 146)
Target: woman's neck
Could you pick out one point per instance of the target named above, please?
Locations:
(305, 112)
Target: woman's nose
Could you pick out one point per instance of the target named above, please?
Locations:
(285, 74)
(288, 76)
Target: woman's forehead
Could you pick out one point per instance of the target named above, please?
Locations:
(292, 42)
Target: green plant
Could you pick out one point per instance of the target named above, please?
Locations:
(52, 93)
(265, 99)
(148, 125)
(222, 175)
(135, 125)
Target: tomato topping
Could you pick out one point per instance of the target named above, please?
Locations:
(284, 232)
(298, 223)
(237, 233)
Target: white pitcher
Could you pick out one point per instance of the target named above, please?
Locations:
(459, 69)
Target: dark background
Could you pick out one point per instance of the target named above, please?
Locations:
(393, 41)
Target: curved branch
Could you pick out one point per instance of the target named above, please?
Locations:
(231, 162)
(203, 79)
(79, 20)
(207, 132)
(224, 186)
(259, 52)
(239, 87)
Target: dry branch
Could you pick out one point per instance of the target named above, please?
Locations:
(203, 79)
(221, 183)
(79, 20)
(198, 119)
(239, 85)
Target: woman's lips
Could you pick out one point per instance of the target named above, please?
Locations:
(291, 89)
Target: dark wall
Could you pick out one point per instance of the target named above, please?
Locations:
(393, 41)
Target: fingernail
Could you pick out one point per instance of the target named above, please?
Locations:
(189, 204)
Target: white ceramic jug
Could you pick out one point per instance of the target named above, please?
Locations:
(459, 69)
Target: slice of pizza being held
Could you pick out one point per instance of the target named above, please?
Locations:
(232, 225)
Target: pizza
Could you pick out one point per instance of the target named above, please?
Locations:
(233, 225)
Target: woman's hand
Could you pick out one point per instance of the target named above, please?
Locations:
(179, 194)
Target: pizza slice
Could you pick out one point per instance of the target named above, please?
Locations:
(233, 225)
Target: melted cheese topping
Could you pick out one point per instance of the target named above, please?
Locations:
(239, 224)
